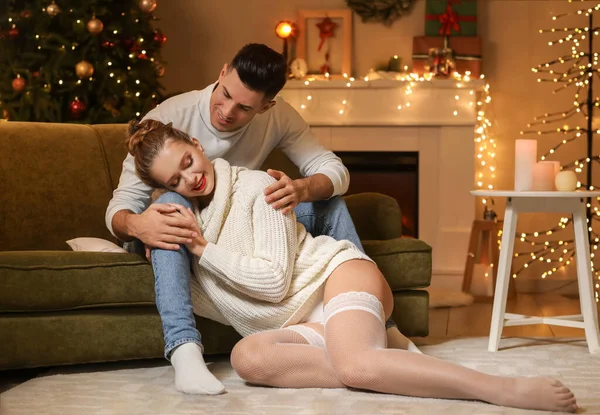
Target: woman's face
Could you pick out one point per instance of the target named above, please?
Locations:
(183, 167)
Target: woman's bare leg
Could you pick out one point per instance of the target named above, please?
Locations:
(355, 341)
(293, 357)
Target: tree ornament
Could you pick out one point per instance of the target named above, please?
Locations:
(18, 84)
(53, 9)
(77, 108)
(107, 44)
(84, 69)
(25, 14)
(95, 26)
(13, 33)
(147, 6)
(109, 105)
(384, 11)
(160, 69)
(159, 37)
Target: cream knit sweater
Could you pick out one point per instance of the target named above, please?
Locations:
(260, 270)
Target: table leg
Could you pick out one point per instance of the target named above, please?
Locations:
(503, 276)
(584, 278)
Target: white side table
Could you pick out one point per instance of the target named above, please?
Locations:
(538, 201)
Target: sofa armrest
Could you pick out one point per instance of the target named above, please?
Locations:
(405, 262)
(376, 216)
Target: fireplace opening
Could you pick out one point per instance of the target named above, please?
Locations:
(395, 174)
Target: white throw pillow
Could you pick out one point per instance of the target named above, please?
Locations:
(94, 245)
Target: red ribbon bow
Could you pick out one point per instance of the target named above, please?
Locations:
(450, 20)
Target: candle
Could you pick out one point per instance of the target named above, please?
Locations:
(556, 165)
(525, 155)
(482, 283)
(543, 176)
(566, 181)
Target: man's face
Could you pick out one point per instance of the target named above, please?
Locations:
(233, 105)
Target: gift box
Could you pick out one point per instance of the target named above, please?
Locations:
(467, 52)
(451, 18)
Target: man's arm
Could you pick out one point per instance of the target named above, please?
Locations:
(131, 196)
(154, 227)
(324, 173)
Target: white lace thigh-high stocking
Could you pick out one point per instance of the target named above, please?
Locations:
(355, 342)
(293, 357)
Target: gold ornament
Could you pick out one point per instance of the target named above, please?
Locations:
(160, 70)
(53, 9)
(84, 69)
(95, 26)
(147, 6)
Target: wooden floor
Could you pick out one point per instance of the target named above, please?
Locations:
(474, 320)
(471, 321)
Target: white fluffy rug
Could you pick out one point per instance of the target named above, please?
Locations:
(147, 390)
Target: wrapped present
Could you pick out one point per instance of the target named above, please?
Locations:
(451, 18)
(467, 52)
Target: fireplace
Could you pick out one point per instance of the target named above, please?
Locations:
(363, 119)
(393, 173)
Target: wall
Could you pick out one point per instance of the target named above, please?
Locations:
(203, 35)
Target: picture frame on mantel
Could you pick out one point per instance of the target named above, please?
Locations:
(340, 44)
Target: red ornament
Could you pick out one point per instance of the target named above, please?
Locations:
(159, 37)
(326, 28)
(77, 108)
(107, 44)
(13, 32)
(142, 56)
(18, 84)
(35, 74)
(25, 14)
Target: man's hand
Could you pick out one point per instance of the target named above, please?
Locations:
(158, 227)
(285, 194)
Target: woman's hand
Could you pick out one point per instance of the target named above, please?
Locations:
(198, 243)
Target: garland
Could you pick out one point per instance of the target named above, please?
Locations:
(384, 11)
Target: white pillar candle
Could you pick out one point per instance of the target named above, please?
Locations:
(482, 283)
(566, 181)
(525, 156)
(543, 177)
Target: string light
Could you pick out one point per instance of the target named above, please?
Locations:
(485, 169)
(572, 70)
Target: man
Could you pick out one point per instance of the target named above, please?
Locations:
(239, 119)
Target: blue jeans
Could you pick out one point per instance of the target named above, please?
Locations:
(172, 269)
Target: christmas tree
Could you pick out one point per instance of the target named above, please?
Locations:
(86, 61)
(576, 70)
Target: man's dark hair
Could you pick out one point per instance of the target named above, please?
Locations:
(261, 69)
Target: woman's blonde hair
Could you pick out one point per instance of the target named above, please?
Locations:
(145, 140)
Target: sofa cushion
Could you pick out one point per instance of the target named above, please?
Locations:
(405, 262)
(54, 184)
(59, 280)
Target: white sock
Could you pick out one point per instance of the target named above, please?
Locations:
(397, 340)
(191, 374)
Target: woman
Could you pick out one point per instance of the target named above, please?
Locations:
(312, 310)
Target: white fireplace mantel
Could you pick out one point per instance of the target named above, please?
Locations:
(438, 124)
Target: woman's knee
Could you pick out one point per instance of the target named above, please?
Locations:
(249, 360)
(173, 197)
(353, 370)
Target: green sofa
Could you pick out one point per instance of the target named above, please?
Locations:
(62, 307)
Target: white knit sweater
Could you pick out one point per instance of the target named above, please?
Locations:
(260, 270)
